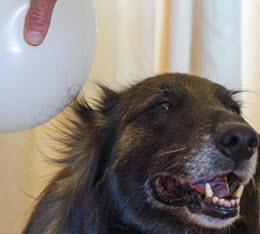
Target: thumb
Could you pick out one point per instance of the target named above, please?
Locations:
(37, 21)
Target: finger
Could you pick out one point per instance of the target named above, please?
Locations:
(37, 21)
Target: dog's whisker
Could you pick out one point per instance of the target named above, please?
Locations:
(168, 168)
(172, 151)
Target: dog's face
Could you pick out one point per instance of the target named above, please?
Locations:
(170, 154)
(184, 153)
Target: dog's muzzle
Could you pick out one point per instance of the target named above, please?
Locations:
(218, 195)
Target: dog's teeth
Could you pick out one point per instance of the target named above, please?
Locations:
(239, 192)
(221, 201)
(208, 190)
(233, 202)
(215, 199)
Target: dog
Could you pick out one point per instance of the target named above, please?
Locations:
(170, 154)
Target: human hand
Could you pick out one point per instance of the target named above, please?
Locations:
(37, 21)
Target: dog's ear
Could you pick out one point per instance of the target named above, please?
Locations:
(102, 126)
(106, 133)
(65, 206)
(109, 101)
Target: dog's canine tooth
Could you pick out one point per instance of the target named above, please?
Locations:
(239, 192)
(226, 179)
(208, 190)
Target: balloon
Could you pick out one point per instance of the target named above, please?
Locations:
(37, 83)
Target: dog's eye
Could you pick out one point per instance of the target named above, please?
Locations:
(163, 106)
(235, 109)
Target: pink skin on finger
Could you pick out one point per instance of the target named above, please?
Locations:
(37, 21)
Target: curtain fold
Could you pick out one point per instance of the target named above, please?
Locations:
(250, 61)
(205, 39)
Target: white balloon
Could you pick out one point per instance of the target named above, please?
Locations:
(36, 83)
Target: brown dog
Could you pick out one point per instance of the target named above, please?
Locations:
(171, 154)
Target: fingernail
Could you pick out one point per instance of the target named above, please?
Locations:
(34, 37)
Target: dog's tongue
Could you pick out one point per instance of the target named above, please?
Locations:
(218, 185)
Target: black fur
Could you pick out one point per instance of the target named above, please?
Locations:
(112, 150)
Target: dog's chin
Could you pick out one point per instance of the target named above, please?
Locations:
(210, 202)
(208, 221)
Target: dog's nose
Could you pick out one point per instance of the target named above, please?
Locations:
(237, 141)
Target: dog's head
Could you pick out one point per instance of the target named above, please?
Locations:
(169, 154)
(183, 152)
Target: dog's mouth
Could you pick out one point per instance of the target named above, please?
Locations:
(216, 196)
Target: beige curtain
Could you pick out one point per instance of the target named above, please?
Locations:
(250, 61)
(138, 38)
